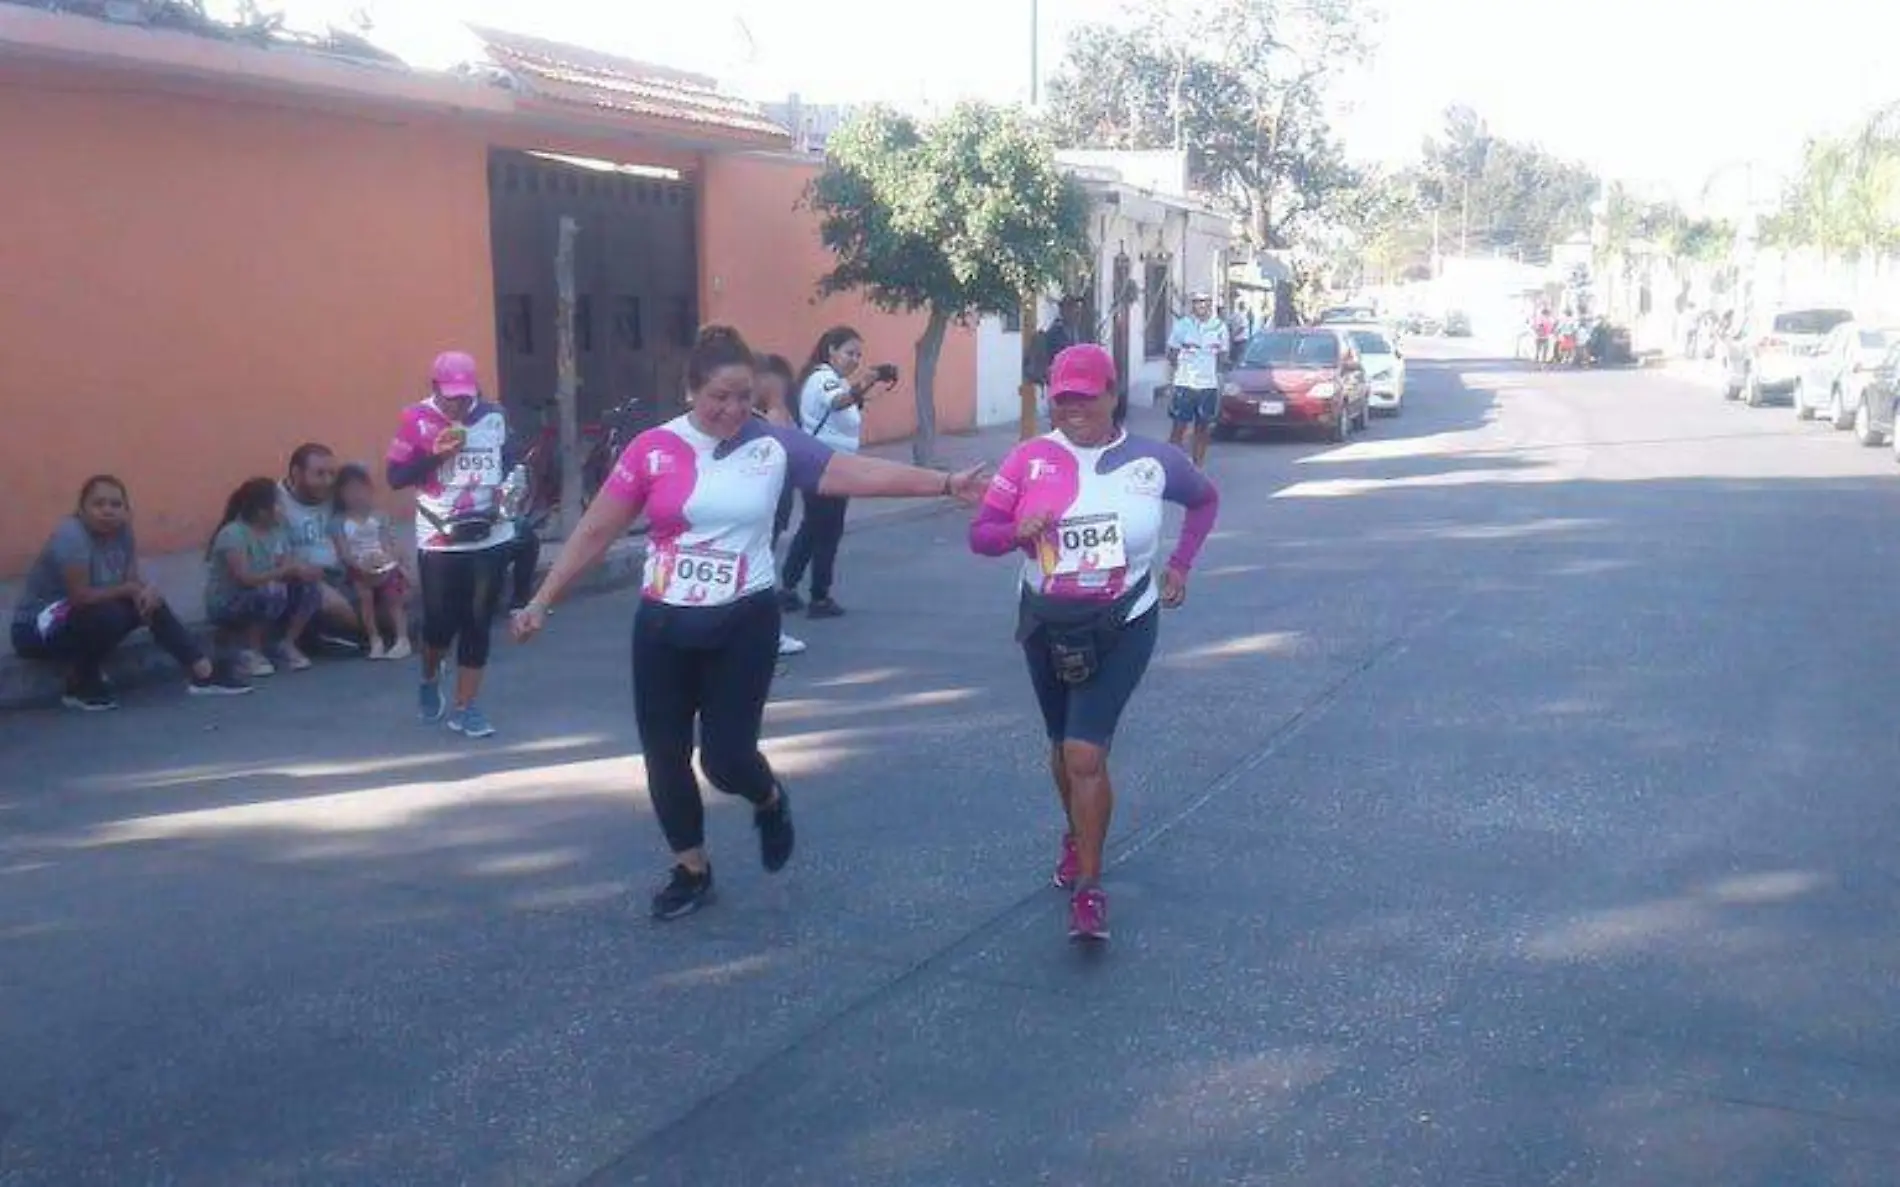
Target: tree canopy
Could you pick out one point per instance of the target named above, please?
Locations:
(1500, 195)
(957, 217)
(1240, 86)
(1845, 198)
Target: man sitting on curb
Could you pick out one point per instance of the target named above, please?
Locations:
(304, 499)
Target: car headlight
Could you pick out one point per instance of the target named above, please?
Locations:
(1231, 390)
(1324, 391)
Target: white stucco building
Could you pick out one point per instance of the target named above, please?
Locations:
(1154, 245)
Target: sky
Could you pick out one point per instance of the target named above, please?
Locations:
(1667, 93)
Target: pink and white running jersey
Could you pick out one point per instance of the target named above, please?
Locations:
(709, 505)
(469, 483)
(1104, 507)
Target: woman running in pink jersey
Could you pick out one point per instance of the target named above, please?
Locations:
(1084, 504)
(706, 636)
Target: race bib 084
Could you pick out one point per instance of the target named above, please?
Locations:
(1087, 545)
(694, 575)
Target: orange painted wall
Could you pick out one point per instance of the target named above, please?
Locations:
(760, 261)
(193, 286)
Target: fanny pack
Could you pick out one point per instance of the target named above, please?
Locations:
(471, 527)
(1078, 634)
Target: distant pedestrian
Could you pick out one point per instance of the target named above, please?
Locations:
(85, 595)
(1084, 505)
(705, 638)
(1197, 350)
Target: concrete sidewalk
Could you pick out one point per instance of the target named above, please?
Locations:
(180, 575)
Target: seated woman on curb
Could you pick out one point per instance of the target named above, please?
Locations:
(84, 595)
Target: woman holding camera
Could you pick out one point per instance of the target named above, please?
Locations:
(453, 449)
(831, 408)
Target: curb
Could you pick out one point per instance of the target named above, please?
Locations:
(26, 684)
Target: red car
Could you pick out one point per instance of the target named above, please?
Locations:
(1308, 378)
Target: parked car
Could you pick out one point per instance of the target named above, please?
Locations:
(1296, 379)
(1765, 359)
(1874, 424)
(1343, 314)
(1384, 364)
(1832, 377)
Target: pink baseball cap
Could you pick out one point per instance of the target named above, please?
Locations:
(455, 375)
(1081, 372)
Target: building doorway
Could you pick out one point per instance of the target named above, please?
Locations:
(636, 284)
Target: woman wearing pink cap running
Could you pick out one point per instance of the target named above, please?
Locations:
(453, 449)
(1084, 505)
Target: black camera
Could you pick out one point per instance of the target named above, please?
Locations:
(885, 373)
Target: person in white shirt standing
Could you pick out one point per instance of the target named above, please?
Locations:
(1197, 346)
(830, 408)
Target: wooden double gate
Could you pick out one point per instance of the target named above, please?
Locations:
(636, 287)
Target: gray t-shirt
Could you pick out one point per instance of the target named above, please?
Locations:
(108, 561)
(307, 528)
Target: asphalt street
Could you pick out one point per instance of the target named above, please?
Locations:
(1512, 803)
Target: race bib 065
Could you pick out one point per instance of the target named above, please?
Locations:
(695, 575)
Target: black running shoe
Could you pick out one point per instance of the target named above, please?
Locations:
(223, 682)
(775, 832)
(684, 893)
(93, 696)
(824, 608)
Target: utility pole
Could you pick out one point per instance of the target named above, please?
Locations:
(1035, 52)
(1464, 223)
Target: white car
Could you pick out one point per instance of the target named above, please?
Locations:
(1831, 378)
(1379, 354)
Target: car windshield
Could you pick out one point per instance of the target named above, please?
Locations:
(1282, 349)
(1810, 321)
(1371, 342)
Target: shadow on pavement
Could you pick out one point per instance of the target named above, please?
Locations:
(1506, 829)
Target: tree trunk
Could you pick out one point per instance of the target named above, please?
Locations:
(929, 349)
(567, 379)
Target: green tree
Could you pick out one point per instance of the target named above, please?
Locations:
(1501, 195)
(1844, 200)
(1240, 86)
(957, 217)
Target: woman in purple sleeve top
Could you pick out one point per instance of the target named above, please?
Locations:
(706, 636)
(1084, 506)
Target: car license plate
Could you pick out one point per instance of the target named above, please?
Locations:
(1271, 407)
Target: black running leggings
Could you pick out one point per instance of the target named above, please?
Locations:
(459, 593)
(816, 544)
(91, 633)
(713, 666)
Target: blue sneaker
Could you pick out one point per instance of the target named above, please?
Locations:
(470, 722)
(429, 703)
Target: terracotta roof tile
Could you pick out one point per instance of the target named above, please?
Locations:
(582, 77)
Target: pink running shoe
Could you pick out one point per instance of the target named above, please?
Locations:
(1088, 914)
(1069, 867)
